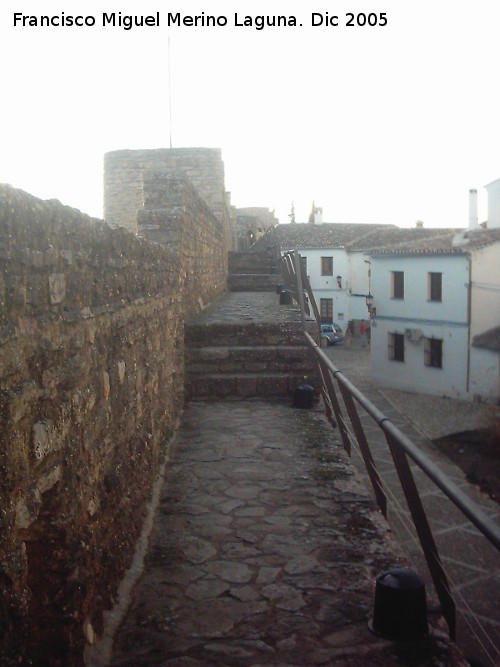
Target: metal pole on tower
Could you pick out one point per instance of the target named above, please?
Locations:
(169, 94)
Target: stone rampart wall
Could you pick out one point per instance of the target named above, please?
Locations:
(126, 170)
(91, 387)
(176, 216)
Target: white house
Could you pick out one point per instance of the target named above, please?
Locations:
(339, 279)
(336, 262)
(485, 316)
(433, 297)
(493, 190)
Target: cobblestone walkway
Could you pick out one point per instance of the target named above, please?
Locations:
(264, 551)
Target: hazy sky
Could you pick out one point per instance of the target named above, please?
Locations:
(387, 124)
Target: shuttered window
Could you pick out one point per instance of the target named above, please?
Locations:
(327, 266)
(396, 346)
(326, 310)
(435, 286)
(433, 352)
(398, 285)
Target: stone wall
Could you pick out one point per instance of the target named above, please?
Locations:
(91, 387)
(126, 170)
(252, 223)
(176, 216)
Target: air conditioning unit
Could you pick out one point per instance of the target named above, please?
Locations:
(414, 335)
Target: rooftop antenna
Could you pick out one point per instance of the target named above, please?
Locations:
(169, 93)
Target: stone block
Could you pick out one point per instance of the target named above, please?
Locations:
(16, 291)
(49, 480)
(272, 385)
(23, 399)
(27, 508)
(246, 386)
(44, 438)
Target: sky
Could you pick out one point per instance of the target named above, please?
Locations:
(375, 123)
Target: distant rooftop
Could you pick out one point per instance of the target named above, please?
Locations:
(489, 340)
(356, 236)
(325, 235)
(440, 241)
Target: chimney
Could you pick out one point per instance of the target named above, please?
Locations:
(419, 224)
(473, 217)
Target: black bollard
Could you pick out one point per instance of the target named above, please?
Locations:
(400, 608)
(303, 396)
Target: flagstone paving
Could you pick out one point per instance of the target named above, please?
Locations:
(264, 551)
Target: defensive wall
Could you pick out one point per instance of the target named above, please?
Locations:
(91, 387)
(125, 171)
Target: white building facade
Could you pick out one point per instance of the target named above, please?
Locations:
(434, 303)
(485, 317)
(493, 190)
(337, 272)
(420, 335)
(331, 275)
(436, 298)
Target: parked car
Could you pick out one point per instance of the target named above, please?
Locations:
(331, 333)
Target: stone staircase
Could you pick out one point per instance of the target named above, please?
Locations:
(246, 344)
(252, 271)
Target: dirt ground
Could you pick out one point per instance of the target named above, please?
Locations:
(477, 453)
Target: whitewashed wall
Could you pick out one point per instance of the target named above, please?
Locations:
(447, 320)
(348, 301)
(326, 287)
(485, 375)
(412, 374)
(485, 303)
(493, 190)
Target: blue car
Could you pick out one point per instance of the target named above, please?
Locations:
(331, 334)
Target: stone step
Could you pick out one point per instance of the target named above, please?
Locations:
(247, 345)
(230, 334)
(243, 385)
(252, 282)
(247, 358)
(252, 262)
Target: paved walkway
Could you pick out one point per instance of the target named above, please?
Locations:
(471, 563)
(264, 550)
(246, 307)
(266, 542)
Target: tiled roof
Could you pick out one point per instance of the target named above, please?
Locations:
(441, 242)
(399, 237)
(489, 340)
(324, 235)
(353, 236)
(384, 239)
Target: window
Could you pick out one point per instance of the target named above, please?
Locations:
(433, 352)
(435, 282)
(326, 310)
(398, 285)
(396, 346)
(327, 266)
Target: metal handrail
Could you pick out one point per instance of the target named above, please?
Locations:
(399, 444)
(473, 512)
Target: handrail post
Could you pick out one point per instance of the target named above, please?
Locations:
(424, 534)
(366, 453)
(298, 274)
